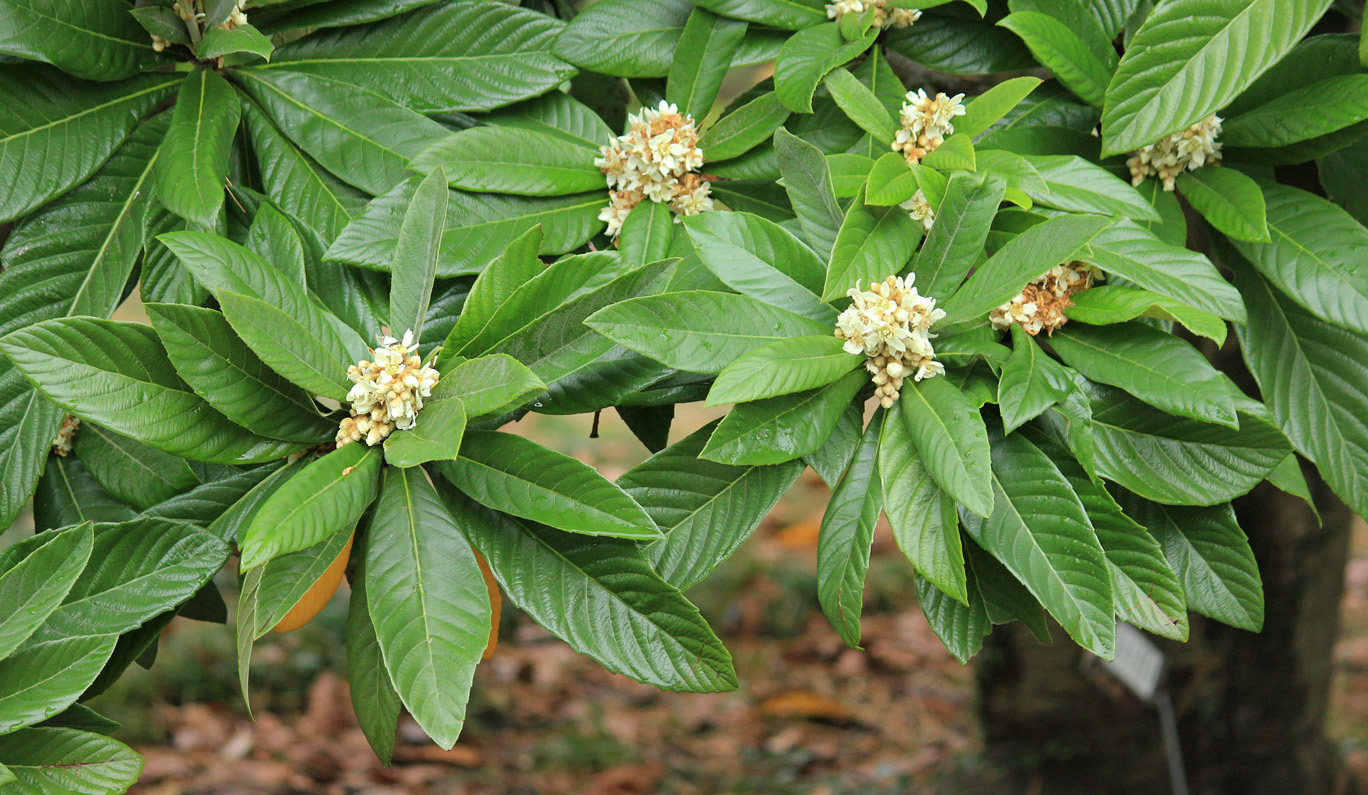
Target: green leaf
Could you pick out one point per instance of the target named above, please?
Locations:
(1176, 460)
(304, 342)
(699, 331)
(138, 569)
(414, 267)
(446, 57)
(273, 237)
(1211, 555)
(743, 129)
(832, 458)
(873, 242)
(1031, 382)
(219, 42)
(962, 629)
(79, 716)
(518, 476)
(705, 509)
(373, 699)
(510, 160)
(625, 38)
(782, 428)
(516, 266)
(1228, 199)
(959, 40)
(362, 137)
(44, 678)
(437, 436)
(954, 154)
(728, 255)
(487, 385)
(1159, 368)
(1076, 185)
(808, 56)
(428, 602)
(36, 585)
(808, 183)
(601, 596)
(1126, 250)
(1314, 381)
(956, 240)
(278, 586)
(55, 131)
(67, 494)
(296, 182)
(646, 234)
(326, 497)
(951, 439)
(787, 14)
(132, 472)
(1341, 173)
(702, 57)
(95, 41)
(1306, 112)
(1106, 304)
(861, 105)
(1024, 258)
(782, 368)
(225, 371)
(1145, 590)
(922, 516)
(984, 110)
(1311, 258)
(846, 537)
(45, 760)
(477, 229)
(1064, 53)
(1181, 65)
(1039, 530)
(193, 160)
(117, 375)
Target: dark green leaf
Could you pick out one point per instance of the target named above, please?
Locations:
(1031, 382)
(503, 160)
(922, 516)
(783, 428)
(91, 40)
(34, 587)
(846, 536)
(45, 760)
(372, 693)
(782, 368)
(414, 267)
(951, 439)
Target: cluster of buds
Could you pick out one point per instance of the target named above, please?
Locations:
(190, 12)
(1182, 151)
(926, 121)
(66, 436)
(657, 159)
(883, 17)
(387, 393)
(890, 323)
(920, 209)
(1040, 305)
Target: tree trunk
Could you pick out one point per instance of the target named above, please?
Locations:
(1250, 707)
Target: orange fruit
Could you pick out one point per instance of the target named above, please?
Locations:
(318, 594)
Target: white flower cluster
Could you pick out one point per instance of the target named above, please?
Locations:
(1040, 305)
(926, 121)
(891, 324)
(387, 393)
(920, 209)
(883, 17)
(657, 159)
(1182, 151)
(66, 436)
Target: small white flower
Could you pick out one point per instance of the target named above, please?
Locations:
(387, 392)
(926, 122)
(890, 323)
(1040, 305)
(1182, 151)
(920, 209)
(883, 17)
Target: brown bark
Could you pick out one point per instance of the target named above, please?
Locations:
(1250, 707)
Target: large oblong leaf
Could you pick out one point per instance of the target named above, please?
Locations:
(1136, 254)
(705, 509)
(950, 436)
(847, 534)
(45, 760)
(518, 476)
(922, 515)
(447, 57)
(872, 243)
(326, 497)
(782, 368)
(372, 693)
(117, 375)
(1064, 53)
(1314, 257)
(44, 678)
(504, 160)
(783, 428)
(428, 602)
(625, 38)
(91, 40)
(193, 160)
(699, 331)
(223, 369)
(1192, 57)
(1040, 532)
(601, 596)
(34, 587)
